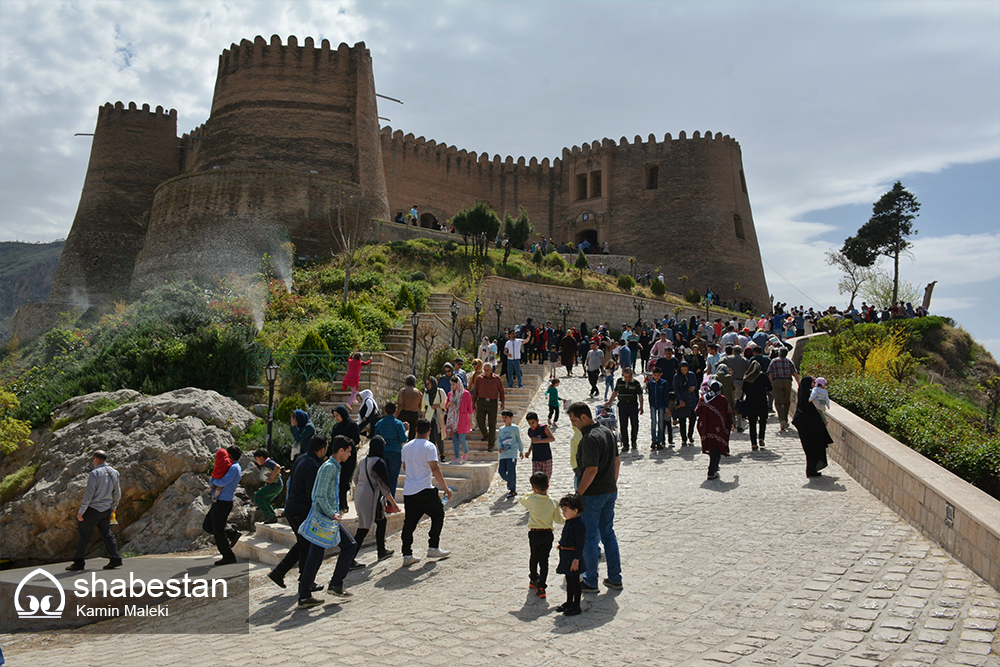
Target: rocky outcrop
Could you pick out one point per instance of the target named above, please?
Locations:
(154, 443)
(76, 408)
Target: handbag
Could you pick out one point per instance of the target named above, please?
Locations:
(319, 529)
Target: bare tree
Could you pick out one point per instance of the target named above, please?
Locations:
(352, 230)
(854, 275)
(426, 335)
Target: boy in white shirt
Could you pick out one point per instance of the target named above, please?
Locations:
(420, 462)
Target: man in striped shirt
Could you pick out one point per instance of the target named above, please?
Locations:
(781, 371)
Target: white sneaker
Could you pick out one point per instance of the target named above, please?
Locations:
(410, 560)
(438, 553)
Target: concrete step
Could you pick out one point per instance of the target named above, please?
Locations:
(270, 542)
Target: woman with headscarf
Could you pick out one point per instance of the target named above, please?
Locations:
(477, 370)
(812, 431)
(368, 414)
(371, 485)
(458, 420)
(484, 351)
(432, 407)
(715, 423)
(302, 431)
(345, 426)
(756, 386)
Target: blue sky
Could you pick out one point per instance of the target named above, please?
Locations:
(831, 102)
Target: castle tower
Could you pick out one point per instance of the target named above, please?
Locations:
(293, 135)
(133, 151)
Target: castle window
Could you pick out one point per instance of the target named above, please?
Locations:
(738, 222)
(581, 186)
(652, 177)
(743, 182)
(595, 184)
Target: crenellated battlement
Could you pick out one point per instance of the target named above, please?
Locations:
(260, 53)
(119, 109)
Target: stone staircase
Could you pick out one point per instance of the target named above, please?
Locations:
(270, 542)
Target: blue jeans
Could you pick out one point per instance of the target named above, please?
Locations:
(508, 473)
(657, 422)
(609, 385)
(514, 368)
(599, 520)
(393, 464)
(461, 445)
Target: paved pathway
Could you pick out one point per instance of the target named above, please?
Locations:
(760, 567)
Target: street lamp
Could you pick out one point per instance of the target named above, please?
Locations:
(638, 305)
(271, 373)
(499, 308)
(454, 316)
(565, 310)
(415, 317)
(479, 309)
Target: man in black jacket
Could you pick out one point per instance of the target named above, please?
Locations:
(298, 501)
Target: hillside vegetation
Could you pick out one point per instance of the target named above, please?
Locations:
(204, 335)
(925, 382)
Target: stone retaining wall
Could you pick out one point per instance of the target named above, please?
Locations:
(944, 507)
(522, 300)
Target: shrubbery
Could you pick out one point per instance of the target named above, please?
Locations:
(658, 288)
(626, 282)
(861, 364)
(555, 261)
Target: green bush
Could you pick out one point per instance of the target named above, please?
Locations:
(510, 271)
(418, 276)
(17, 482)
(626, 282)
(62, 341)
(404, 300)
(340, 334)
(288, 405)
(658, 288)
(349, 312)
(421, 292)
(692, 296)
(555, 261)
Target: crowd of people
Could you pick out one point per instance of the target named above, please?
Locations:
(700, 377)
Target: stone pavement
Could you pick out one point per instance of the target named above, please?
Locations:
(761, 567)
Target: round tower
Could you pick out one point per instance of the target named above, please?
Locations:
(293, 137)
(680, 206)
(133, 151)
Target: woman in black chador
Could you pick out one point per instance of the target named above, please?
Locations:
(812, 430)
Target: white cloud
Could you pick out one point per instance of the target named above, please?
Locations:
(831, 102)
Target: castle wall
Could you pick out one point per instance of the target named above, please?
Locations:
(133, 151)
(211, 223)
(442, 180)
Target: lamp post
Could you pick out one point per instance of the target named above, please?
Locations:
(564, 310)
(499, 308)
(479, 309)
(454, 316)
(638, 305)
(271, 373)
(415, 317)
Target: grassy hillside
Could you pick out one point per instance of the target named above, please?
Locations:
(26, 273)
(922, 381)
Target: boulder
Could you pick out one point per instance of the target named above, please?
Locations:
(152, 443)
(75, 408)
(174, 521)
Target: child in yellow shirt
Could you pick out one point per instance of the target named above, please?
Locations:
(543, 512)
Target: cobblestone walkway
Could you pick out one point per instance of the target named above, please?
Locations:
(760, 567)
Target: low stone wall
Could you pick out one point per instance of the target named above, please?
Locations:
(522, 300)
(944, 507)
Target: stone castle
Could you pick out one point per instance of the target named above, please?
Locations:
(294, 138)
